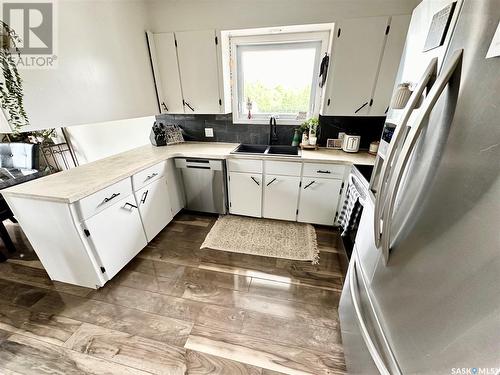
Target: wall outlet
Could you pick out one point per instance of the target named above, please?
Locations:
(209, 132)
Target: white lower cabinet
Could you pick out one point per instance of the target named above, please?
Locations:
(319, 199)
(154, 207)
(281, 194)
(116, 234)
(245, 194)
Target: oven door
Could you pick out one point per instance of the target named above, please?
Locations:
(349, 239)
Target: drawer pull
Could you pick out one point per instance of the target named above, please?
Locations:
(132, 206)
(321, 171)
(151, 176)
(113, 196)
(270, 182)
(254, 180)
(309, 184)
(144, 196)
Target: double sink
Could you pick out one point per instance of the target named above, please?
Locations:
(291, 151)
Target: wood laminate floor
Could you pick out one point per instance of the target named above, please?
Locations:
(176, 309)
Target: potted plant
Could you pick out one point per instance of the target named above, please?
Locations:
(309, 128)
(11, 89)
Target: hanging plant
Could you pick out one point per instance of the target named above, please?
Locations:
(11, 88)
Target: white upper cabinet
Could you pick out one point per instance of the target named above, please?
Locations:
(389, 65)
(364, 63)
(166, 71)
(188, 72)
(357, 47)
(198, 66)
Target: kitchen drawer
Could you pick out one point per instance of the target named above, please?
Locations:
(144, 177)
(244, 165)
(284, 168)
(324, 170)
(95, 203)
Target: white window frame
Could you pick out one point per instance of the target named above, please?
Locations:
(240, 117)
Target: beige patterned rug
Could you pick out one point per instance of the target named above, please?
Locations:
(270, 238)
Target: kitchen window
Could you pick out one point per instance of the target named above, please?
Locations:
(277, 75)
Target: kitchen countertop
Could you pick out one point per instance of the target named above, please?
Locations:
(74, 184)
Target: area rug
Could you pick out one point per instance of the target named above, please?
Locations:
(270, 238)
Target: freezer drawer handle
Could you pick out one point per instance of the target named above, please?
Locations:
(254, 180)
(151, 176)
(270, 182)
(377, 358)
(309, 184)
(113, 196)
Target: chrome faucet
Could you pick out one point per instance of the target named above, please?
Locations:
(273, 131)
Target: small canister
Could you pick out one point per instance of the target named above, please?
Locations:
(373, 148)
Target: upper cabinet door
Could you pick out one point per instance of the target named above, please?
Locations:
(198, 66)
(389, 65)
(166, 72)
(357, 49)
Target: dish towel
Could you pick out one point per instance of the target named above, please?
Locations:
(351, 209)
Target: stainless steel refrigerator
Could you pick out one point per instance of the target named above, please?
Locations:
(422, 294)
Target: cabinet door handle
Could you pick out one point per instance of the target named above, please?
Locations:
(321, 171)
(164, 106)
(151, 176)
(113, 196)
(188, 105)
(255, 180)
(309, 184)
(270, 182)
(360, 108)
(129, 204)
(144, 196)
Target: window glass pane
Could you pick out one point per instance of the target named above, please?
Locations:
(278, 78)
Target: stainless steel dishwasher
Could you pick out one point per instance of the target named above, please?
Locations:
(204, 184)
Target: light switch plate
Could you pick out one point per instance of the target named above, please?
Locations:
(209, 132)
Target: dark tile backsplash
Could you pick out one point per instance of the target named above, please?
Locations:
(194, 126)
(368, 127)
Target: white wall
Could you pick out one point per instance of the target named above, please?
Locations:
(103, 72)
(174, 15)
(96, 141)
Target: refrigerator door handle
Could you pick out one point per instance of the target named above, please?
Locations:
(372, 349)
(413, 135)
(426, 81)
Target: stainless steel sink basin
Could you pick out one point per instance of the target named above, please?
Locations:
(266, 150)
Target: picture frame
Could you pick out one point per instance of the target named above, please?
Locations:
(334, 143)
